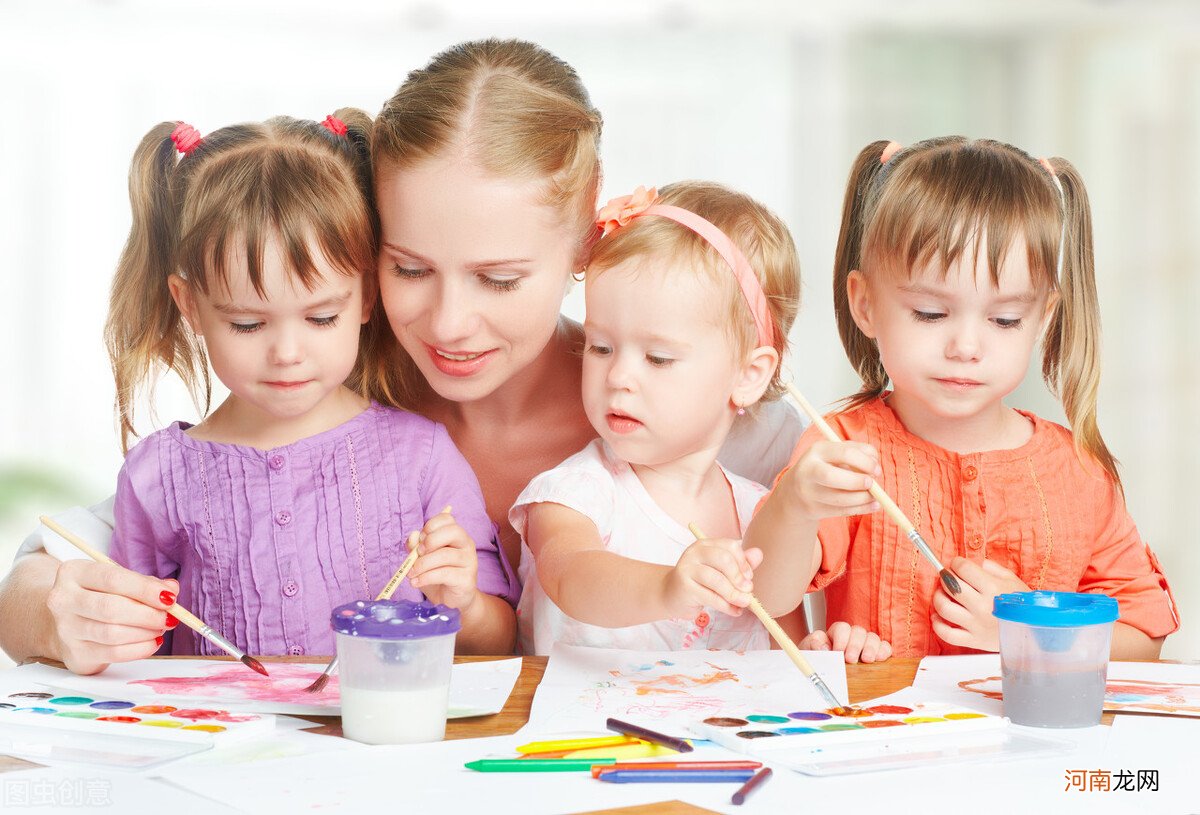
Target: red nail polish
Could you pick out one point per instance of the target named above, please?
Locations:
(166, 598)
(171, 621)
(158, 640)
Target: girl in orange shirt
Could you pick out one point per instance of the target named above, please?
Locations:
(955, 256)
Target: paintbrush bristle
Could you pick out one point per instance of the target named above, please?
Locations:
(950, 582)
(319, 684)
(253, 664)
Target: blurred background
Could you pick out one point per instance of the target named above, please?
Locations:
(771, 97)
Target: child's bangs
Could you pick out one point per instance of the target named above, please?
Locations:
(937, 207)
(287, 196)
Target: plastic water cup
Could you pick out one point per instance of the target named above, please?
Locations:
(394, 660)
(1054, 656)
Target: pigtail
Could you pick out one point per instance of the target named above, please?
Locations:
(144, 326)
(1071, 348)
(860, 195)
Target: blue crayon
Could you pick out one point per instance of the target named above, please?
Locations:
(677, 776)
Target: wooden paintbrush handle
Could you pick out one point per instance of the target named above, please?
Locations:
(780, 636)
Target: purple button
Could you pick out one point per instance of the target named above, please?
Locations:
(296, 651)
(276, 462)
(283, 517)
(290, 588)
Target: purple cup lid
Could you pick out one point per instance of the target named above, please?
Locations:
(394, 619)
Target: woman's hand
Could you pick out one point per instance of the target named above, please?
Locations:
(102, 613)
(447, 567)
(966, 619)
(858, 644)
(713, 572)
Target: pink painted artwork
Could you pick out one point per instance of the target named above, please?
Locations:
(286, 685)
(1132, 695)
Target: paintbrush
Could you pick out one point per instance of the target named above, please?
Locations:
(785, 642)
(177, 611)
(321, 681)
(889, 506)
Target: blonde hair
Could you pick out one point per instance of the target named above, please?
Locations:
(285, 178)
(929, 202)
(515, 110)
(755, 230)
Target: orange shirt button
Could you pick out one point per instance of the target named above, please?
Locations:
(970, 473)
(975, 541)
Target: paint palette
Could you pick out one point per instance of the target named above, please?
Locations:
(762, 733)
(42, 710)
(874, 737)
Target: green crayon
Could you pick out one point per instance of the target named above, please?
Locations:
(536, 765)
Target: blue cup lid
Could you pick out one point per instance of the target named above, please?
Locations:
(394, 619)
(1055, 609)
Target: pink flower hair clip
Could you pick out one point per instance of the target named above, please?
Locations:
(186, 138)
(620, 211)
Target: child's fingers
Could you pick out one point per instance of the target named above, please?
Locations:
(816, 641)
(1004, 578)
(839, 635)
(950, 610)
(976, 580)
(870, 648)
(451, 535)
(951, 635)
(725, 556)
(885, 651)
(447, 557)
(451, 576)
(754, 557)
(725, 597)
(442, 519)
(854, 644)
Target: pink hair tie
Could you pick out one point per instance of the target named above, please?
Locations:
(620, 211)
(891, 149)
(334, 125)
(186, 138)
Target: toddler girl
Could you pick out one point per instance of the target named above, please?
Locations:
(955, 257)
(253, 248)
(689, 298)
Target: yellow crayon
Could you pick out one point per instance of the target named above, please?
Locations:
(574, 744)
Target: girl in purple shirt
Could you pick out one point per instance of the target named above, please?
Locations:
(253, 249)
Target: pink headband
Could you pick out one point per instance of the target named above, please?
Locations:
(620, 211)
(186, 138)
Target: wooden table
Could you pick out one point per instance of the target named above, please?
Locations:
(865, 682)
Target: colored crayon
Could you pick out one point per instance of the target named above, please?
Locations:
(536, 765)
(676, 776)
(750, 786)
(574, 744)
(676, 765)
(638, 749)
(649, 735)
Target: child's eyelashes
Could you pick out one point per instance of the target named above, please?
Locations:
(657, 361)
(1007, 322)
(323, 321)
(598, 350)
(927, 316)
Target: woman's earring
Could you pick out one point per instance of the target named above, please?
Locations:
(741, 411)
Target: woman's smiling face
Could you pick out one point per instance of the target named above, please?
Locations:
(472, 271)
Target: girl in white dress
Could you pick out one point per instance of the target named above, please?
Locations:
(690, 295)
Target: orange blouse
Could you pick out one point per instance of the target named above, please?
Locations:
(1035, 510)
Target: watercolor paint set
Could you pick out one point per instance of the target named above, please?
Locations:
(838, 741)
(119, 733)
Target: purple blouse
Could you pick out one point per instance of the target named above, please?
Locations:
(265, 543)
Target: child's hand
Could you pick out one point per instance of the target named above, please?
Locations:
(103, 613)
(446, 568)
(833, 479)
(713, 572)
(858, 644)
(966, 619)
